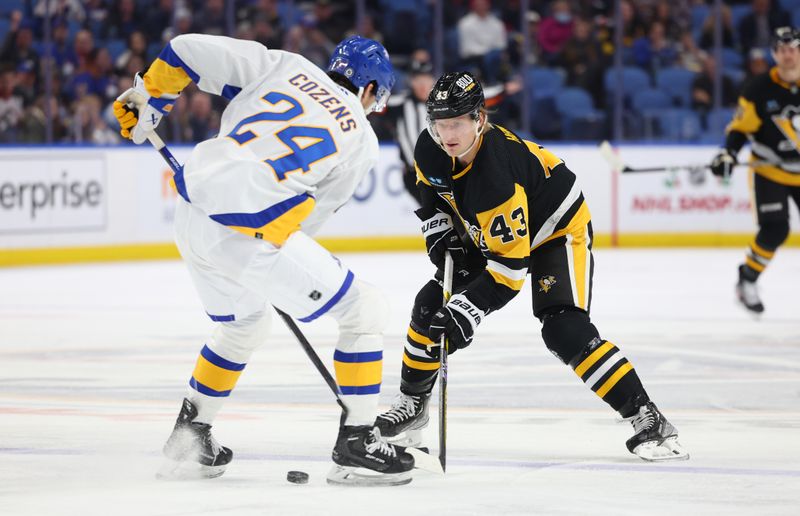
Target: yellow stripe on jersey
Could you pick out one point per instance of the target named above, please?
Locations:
(420, 175)
(778, 175)
(505, 228)
(164, 78)
(278, 230)
(576, 226)
(746, 119)
(757, 249)
(613, 379)
(505, 280)
(357, 374)
(592, 359)
(421, 366)
(419, 338)
(547, 159)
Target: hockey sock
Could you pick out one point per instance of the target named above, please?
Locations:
(358, 361)
(213, 379)
(756, 260)
(610, 375)
(420, 362)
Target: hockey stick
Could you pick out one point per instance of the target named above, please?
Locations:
(615, 162)
(422, 460)
(447, 288)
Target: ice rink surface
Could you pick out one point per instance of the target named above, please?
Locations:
(94, 360)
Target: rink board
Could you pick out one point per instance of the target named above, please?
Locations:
(73, 204)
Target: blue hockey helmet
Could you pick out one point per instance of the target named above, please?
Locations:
(362, 60)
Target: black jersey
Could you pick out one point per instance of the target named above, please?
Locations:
(513, 197)
(769, 115)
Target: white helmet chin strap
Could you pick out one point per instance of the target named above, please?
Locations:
(478, 131)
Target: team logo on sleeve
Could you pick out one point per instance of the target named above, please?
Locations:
(546, 283)
(788, 121)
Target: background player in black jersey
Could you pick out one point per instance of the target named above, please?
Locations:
(769, 116)
(505, 208)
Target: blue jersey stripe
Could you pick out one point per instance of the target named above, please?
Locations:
(216, 318)
(169, 56)
(219, 361)
(348, 280)
(361, 390)
(262, 218)
(208, 391)
(229, 91)
(368, 356)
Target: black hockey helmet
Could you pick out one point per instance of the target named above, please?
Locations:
(785, 36)
(455, 94)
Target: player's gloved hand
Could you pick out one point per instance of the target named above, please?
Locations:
(723, 163)
(440, 237)
(143, 113)
(457, 320)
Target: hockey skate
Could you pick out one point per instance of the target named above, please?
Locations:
(655, 439)
(403, 423)
(191, 451)
(747, 294)
(363, 458)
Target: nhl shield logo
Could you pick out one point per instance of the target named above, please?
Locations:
(546, 283)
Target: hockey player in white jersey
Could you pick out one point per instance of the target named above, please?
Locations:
(294, 143)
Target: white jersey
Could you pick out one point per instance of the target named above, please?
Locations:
(292, 147)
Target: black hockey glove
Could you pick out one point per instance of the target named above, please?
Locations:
(723, 163)
(440, 237)
(457, 320)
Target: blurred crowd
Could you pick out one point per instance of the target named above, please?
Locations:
(96, 46)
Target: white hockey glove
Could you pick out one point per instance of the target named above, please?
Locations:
(457, 320)
(139, 113)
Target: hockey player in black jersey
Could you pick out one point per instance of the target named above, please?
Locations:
(506, 208)
(769, 116)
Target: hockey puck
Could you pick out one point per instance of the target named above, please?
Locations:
(297, 477)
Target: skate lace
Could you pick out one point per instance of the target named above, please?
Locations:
(749, 292)
(644, 420)
(404, 407)
(376, 443)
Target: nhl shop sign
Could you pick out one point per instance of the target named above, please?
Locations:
(57, 194)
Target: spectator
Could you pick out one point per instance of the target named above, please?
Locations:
(25, 83)
(703, 89)
(516, 52)
(481, 38)
(137, 47)
(675, 16)
(96, 80)
(757, 63)
(202, 123)
(555, 31)
(655, 51)
(584, 61)
(707, 34)
(83, 47)
(18, 46)
(33, 126)
(59, 10)
(333, 19)
(157, 19)
(123, 20)
(10, 104)
(307, 40)
(88, 124)
(264, 13)
(211, 18)
(756, 29)
(690, 56)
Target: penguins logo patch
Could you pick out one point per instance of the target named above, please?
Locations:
(546, 283)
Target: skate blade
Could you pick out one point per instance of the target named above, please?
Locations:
(349, 476)
(186, 470)
(669, 450)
